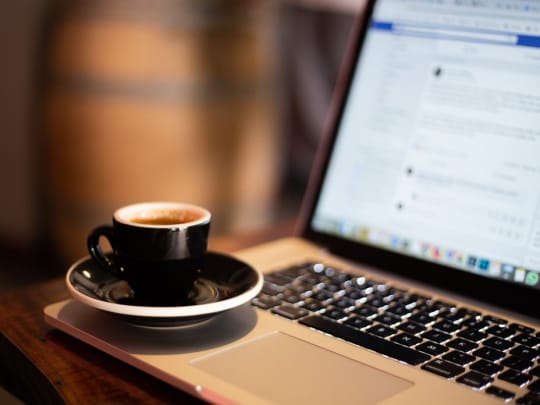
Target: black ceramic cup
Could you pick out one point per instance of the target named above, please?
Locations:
(157, 247)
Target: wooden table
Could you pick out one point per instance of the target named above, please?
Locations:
(42, 365)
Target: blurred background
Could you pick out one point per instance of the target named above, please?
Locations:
(109, 102)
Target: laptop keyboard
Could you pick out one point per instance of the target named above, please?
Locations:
(481, 351)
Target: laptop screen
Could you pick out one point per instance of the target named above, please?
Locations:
(437, 152)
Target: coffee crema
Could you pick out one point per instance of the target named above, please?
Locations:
(165, 217)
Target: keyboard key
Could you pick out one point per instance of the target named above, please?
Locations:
(334, 313)
(354, 294)
(486, 367)
(388, 319)
(344, 303)
(457, 315)
(517, 363)
(420, 298)
(422, 318)
(427, 309)
(498, 343)
(291, 297)
(399, 310)
(364, 284)
(323, 296)
(436, 336)
(376, 302)
(524, 352)
(446, 326)
(475, 379)
(366, 311)
(500, 393)
(336, 276)
(406, 339)
(500, 331)
(441, 306)
(495, 320)
(332, 288)
(271, 289)
(300, 287)
(488, 353)
(358, 322)
(443, 368)
(514, 377)
(408, 300)
(371, 342)
(462, 344)
(381, 330)
(457, 357)
(471, 313)
(475, 323)
(290, 311)
(412, 327)
(521, 328)
(313, 305)
(526, 340)
(387, 294)
(472, 334)
(277, 279)
(311, 279)
(431, 348)
(265, 301)
(382, 289)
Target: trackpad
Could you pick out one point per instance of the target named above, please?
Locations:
(286, 370)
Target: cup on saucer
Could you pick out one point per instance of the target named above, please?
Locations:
(157, 247)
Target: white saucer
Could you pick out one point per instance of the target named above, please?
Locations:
(224, 283)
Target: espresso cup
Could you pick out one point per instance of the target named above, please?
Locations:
(157, 247)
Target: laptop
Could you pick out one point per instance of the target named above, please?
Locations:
(414, 275)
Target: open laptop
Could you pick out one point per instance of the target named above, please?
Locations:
(414, 277)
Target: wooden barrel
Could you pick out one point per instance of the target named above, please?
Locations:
(159, 100)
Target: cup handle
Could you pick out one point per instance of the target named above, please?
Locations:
(94, 248)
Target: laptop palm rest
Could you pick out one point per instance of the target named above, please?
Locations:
(320, 376)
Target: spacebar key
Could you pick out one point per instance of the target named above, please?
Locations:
(366, 340)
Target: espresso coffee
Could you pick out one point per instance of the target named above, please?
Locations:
(165, 217)
(157, 247)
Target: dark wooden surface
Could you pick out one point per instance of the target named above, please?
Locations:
(42, 365)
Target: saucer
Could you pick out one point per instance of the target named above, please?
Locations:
(224, 283)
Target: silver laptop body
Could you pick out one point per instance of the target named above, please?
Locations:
(414, 275)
